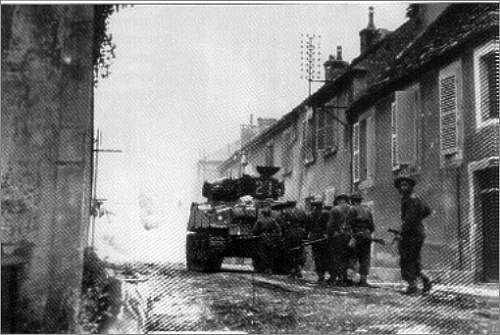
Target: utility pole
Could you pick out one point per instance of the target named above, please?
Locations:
(96, 203)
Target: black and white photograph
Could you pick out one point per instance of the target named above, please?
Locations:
(250, 167)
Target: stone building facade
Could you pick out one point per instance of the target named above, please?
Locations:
(385, 114)
(46, 133)
(434, 115)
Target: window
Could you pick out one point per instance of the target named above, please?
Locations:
(309, 138)
(320, 130)
(330, 133)
(325, 131)
(404, 112)
(448, 114)
(486, 78)
(287, 153)
(394, 138)
(364, 147)
(355, 148)
(270, 154)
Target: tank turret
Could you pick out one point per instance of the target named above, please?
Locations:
(261, 187)
(222, 226)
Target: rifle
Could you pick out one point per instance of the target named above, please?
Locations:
(397, 235)
(308, 242)
(372, 239)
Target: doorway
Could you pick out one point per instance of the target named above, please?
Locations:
(488, 188)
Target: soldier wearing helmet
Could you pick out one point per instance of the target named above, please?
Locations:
(413, 211)
(269, 233)
(360, 224)
(338, 239)
(317, 233)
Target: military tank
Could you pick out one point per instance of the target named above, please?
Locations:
(221, 226)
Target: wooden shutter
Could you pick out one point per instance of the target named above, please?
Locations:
(394, 137)
(448, 114)
(286, 153)
(355, 147)
(488, 77)
(407, 109)
(320, 133)
(331, 141)
(371, 146)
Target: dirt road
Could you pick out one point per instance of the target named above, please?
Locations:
(239, 301)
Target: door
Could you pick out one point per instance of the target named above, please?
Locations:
(488, 182)
(9, 296)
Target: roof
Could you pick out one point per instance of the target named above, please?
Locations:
(457, 27)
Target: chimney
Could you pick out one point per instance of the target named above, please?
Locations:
(333, 67)
(247, 133)
(370, 35)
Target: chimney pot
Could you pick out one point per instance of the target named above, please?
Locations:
(371, 24)
(339, 52)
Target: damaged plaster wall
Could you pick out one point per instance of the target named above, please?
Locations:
(46, 134)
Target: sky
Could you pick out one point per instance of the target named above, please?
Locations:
(185, 77)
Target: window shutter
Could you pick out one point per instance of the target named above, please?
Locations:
(394, 138)
(370, 146)
(331, 141)
(310, 138)
(488, 76)
(448, 114)
(406, 109)
(355, 158)
(320, 134)
(286, 153)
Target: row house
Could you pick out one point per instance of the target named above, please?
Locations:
(311, 143)
(434, 115)
(395, 110)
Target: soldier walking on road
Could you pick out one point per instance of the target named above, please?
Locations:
(360, 222)
(338, 239)
(316, 230)
(269, 233)
(413, 212)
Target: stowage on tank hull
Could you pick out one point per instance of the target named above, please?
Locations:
(215, 232)
(222, 227)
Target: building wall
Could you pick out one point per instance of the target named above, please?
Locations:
(452, 239)
(47, 87)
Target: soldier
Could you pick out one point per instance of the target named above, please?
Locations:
(316, 230)
(360, 223)
(292, 222)
(269, 232)
(413, 212)
(338, 240)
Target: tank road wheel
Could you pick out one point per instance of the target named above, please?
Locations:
(192, 262)
(198, 255)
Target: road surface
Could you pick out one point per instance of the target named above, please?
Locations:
(236, 300)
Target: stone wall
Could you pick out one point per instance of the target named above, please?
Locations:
(46, 129)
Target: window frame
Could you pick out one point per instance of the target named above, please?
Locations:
(479, 53)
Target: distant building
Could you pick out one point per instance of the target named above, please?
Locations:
(207, 168)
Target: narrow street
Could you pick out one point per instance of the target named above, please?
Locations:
(236, 300)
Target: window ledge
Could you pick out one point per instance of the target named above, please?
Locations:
(490, 122)
(366, 184)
